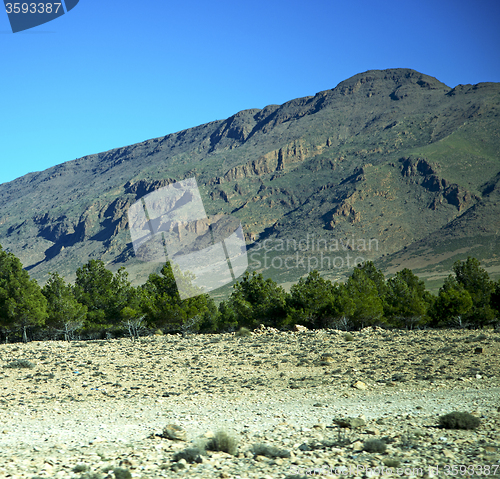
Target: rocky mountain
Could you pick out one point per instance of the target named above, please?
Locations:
(389, 165)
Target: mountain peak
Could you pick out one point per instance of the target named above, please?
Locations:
(395, 77)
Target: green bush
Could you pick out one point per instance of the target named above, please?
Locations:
(374, 445)
(269, 451)
(20, 363)
(459, 420)
(243, 332)
(122, 473)
(190, 454)
(81, 468)
(223, 442)
(92, 475)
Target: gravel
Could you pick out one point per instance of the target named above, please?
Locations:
(61, 419)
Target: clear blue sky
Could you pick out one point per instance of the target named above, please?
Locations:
(113, 73)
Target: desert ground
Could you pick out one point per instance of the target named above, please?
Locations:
(104, 409)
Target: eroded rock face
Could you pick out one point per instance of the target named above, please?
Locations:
(318, 164)
(423, 172)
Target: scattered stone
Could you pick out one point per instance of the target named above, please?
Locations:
(174, 432)
(300, 329)
(350, 422)
(360, 385)
(357, 446)
(234, 384)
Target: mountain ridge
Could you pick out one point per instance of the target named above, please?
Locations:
(383, 142)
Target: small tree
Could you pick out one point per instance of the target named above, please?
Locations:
(104, 294)
(163, 306)
(452, 304)
(65, 314)
(256, 300)
(376, 275)
(368, 307)
(406, 300)
(339, 309)
(495, 299)
(133, 321)
(309, 298)
(476, 281)
(22, 304)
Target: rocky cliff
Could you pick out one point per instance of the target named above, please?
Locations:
(392, 155)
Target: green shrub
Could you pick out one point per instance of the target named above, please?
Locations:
(122, 473)
(459, 420)
(243, 332)
(190, 454)
(20, 363)
(92, 475)
(269, 451)
(81, 468)
(391, 462)
(374, 445)
(223, 442)
(348, 337)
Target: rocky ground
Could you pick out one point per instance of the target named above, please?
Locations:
(99, 409)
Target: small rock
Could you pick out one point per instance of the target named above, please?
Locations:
(360, 385)
(478, 351)
(357, 446)
(321, 426)
(300, 329)
(174, 432)
(350, 422)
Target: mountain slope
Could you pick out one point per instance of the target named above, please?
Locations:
(392, 156)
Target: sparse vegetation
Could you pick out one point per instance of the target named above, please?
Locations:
(92, 475)
(81, 468)
(20, 364)
(391, 462)
(190, 454)
(121, 473)
(374, 445)
(224, 442)
(459, 420)
(243, 333)
(269, 451)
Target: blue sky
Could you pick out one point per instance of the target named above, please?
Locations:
(113, 73)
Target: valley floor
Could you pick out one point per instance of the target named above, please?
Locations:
(101, 405)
